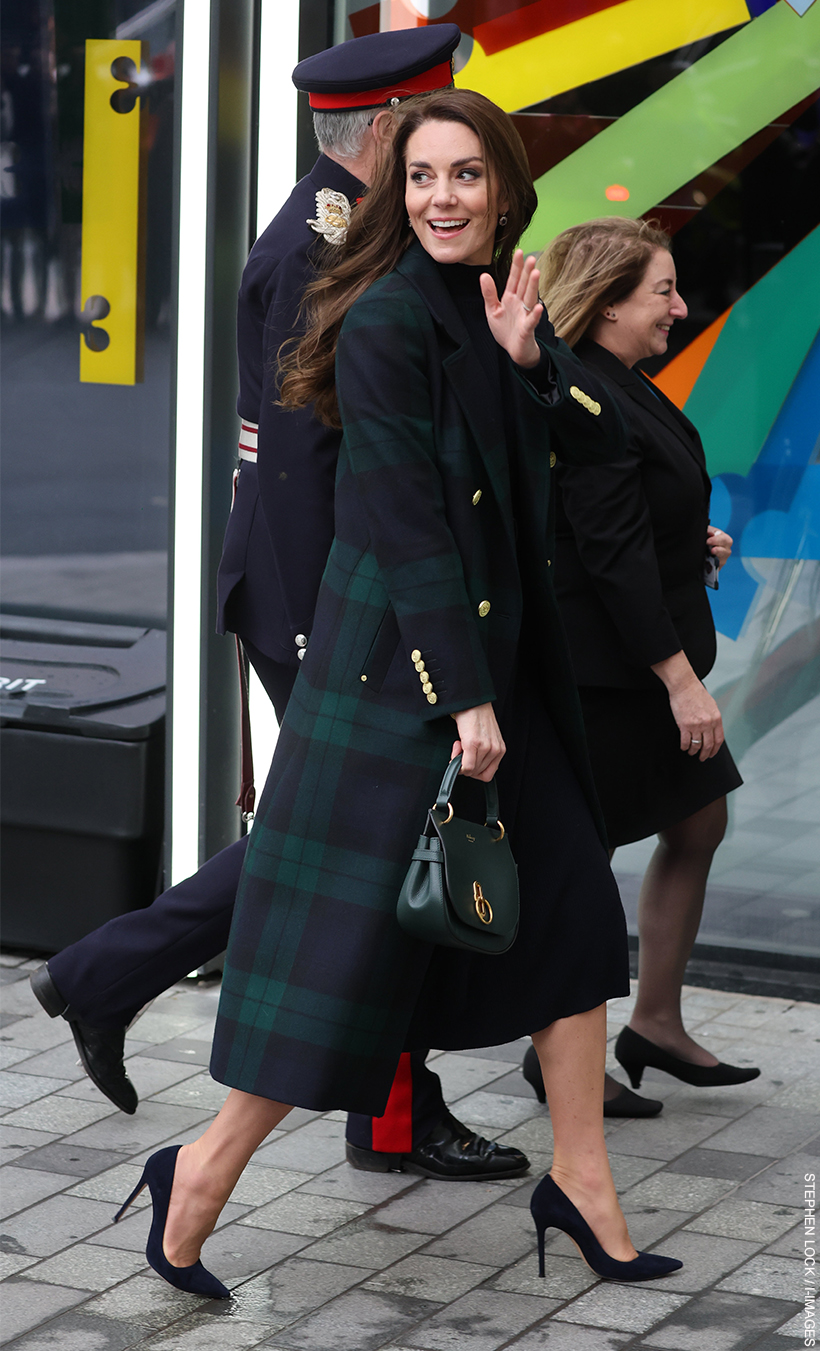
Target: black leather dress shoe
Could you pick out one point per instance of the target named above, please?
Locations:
(625, 1103)
(101, 1049)
(451, 1152)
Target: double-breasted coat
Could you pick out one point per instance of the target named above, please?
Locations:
(419, 616)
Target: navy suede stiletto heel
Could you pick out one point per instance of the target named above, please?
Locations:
(158, 1176)
(552, 1209)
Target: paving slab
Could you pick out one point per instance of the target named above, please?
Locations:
(551, 1336)
(22, 1187)
(482, 1320)
(718, 1322)
(360, 1320)
(770, 1275)
(299, 1213)
(59, 1158)
(293, 1288)
(75, 1331)
(54, 1224)
(84, 1266)
(25, 1304)
(435, 1278)
(620, 1307)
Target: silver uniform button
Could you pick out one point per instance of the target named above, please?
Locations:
(300, 640)
(301, 652)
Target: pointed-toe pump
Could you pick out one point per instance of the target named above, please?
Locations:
(635, 1053)
(158, 1176)
(624, 1103)
(550, 1208)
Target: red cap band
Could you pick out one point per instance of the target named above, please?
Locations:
(440, 77)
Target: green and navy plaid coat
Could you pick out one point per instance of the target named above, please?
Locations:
(418, 617)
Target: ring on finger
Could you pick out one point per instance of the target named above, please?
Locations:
(695, 741)
(528, 308)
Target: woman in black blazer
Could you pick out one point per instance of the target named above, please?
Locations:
(634, 553)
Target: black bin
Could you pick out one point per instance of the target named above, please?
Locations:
(82, 724)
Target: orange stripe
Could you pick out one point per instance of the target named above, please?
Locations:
(678, 379)
(393, 1132)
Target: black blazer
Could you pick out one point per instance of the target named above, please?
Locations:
(631, 542)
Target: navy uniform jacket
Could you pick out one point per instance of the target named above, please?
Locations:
(631, 542)
(275, 552)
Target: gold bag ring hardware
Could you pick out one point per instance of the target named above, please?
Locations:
(449, 816)
(482, 906)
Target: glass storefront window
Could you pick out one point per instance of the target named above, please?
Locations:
(86, 455)
(708, 121)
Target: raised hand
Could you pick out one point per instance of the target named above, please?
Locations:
(514, 315)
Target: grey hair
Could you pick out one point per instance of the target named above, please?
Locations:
(343, 134)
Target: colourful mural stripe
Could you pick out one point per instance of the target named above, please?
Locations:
(532, 20)
(677, 379)
(591, 48)
(757, 355)
(689, 124)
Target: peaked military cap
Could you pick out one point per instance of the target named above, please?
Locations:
(380, 69)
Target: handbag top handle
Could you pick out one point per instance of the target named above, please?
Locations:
(442, 803)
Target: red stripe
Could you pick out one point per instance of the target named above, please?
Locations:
(393, 1132)
(438, 78)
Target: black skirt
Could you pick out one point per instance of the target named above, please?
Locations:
(644, 780)
(571, 951)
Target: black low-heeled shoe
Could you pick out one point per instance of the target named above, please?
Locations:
(635, 1053)
(552, 1209)
(158, 1176)
(625, 1103)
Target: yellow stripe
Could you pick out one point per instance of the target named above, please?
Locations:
(111, 217)
(594, 47)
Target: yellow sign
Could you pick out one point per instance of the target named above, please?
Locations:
(112, 278)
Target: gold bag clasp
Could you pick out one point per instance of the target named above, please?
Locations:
(482, 906)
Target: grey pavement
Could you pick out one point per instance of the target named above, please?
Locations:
(320, 1257)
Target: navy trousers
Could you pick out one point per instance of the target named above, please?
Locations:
(111, 973)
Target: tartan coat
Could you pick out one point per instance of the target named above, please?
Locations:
(320, 982)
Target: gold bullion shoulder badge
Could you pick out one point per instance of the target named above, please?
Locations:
(332, 215)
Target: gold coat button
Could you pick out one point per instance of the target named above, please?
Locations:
(423, 677)
(419, 664)
(432, 698)
(549, 562)
(552, 459)
(476, 497)
(595, 408)
(427, 687)
(484, 608)
(575, 392)
(415, 655)
(363, 677)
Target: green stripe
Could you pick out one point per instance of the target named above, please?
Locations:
(696, 119)
(760, 349)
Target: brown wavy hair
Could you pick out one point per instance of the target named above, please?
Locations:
(592, 265)
(380, 232)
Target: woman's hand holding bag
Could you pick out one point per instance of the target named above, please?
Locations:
(461, 889)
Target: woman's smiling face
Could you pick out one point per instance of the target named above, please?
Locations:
(449, 198)
(645, 318)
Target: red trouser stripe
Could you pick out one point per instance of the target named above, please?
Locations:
(393, 1132)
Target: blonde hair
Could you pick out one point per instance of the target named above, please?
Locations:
(595, 264)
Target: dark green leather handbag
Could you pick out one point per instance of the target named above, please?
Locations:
(461, 889)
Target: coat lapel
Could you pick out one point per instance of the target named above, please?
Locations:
(464, 372)
(652, 400)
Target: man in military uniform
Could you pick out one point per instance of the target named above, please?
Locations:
(276, 546)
